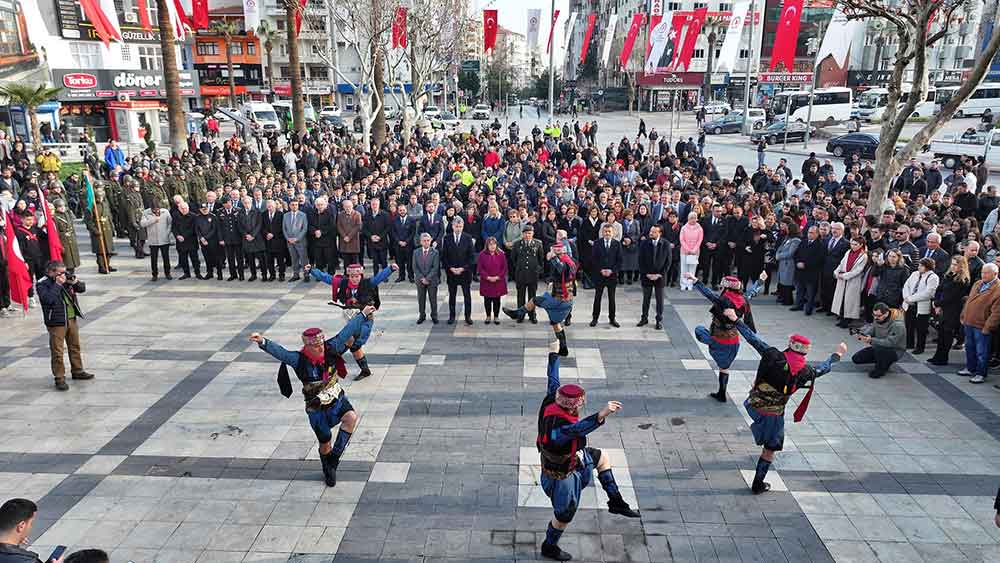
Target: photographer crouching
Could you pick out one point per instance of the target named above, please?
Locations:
(886, 340)
(60, 311)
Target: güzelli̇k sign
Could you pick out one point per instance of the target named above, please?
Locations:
(132, 80)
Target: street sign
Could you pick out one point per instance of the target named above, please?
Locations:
(470, 66)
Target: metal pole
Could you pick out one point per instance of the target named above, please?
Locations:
(746, 87)
(552, 59)
(788, 108)
(670, 137)
(809, 114)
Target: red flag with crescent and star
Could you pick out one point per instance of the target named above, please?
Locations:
(693, 22)
(591, 21)
(633, 32)
(143, 8)
(399, 28)
(552, 29)
(298, 16)
(199, 14)
(787, 35)
(18, 277)
(489, 29)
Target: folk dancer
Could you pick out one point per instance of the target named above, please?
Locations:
(558, 301)
(319, 366)
(353, 292)
(779, 375)
(567, 463)
(721, 337)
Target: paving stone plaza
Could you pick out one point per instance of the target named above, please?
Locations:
(183, 450)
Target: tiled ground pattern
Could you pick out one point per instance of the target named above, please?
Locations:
(182, 450)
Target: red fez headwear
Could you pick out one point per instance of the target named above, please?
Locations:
(799, 343)
(311, 335)
(571, 396)
(355, 269)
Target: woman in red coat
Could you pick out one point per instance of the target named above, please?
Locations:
(492, 278)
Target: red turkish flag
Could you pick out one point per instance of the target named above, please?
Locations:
(591, 21)
(52, 233)
(92, 11)
(17, 270)
(693, 23)
(552, 29)
(489, 29)
(787, 35)
(143, 8)
(399, 28)
(633, 32)
(199, 14)
(298, 16)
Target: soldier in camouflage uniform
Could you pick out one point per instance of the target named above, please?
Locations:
(181, 187)
(104, 211)
(169, 182)
(114, 192)
(133, 206)
(153, 190)
(197, 185)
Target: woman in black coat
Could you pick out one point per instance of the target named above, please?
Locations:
(891, 278)
(672, 232)
(751, 254)
(588, 232)
(952, 292)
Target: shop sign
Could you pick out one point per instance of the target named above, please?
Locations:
(672, 79)
(97, 84)
(786, 77)
(868, 77)
(79, 80)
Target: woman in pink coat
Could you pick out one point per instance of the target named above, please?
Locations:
(691, 237)
(492, 270)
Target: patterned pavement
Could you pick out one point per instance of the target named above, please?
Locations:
(182, 449)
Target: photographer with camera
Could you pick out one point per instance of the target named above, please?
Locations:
(886, 340)
(60, 311)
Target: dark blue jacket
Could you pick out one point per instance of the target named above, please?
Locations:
(50, 295)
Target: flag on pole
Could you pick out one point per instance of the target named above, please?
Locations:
(93, 13)
(663, 40)
(609, 36)
(591, 21)
(489, 30)
(693, 23)
(111, 18)
(199, 16)
(552, 29)
(399, 28)
(52, 233)
(630, 37)
(251, 13)
(787, 35)
(298, 15)
(17, 270)
(534, 24)
(89, 193)
(569, 30)
(143, 8)
(734, 33)
(838, 39)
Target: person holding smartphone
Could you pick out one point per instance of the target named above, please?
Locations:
(17, 516)
(60, 310)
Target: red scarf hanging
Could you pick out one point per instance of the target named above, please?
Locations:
(27, 233)
(852, 257)
(314, 358)
(796, 362)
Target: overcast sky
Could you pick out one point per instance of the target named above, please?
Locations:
(514, 14)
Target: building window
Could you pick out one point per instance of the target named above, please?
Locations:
(318, 72)
(699, 54)
(126, 52)
(698, 5)
(235, 48)
(673, 6)
(280, 24)
(251, 48)
(744, 53)
(284, 72)
(85, 54)
(725, 7)
(150, 58)
(207, 48)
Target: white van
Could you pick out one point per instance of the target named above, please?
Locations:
(263, 114)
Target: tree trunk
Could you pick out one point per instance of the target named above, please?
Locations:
(378, 127)
(36, 130)
(298, 110)
(268, 76)
(175, 108)
(229, 69)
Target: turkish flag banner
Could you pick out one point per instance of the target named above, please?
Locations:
(693, 24)
(591, 21)
(143, 8)
(633, 32)
(52, 233)
(298, 16)
(787, 35)
(399, 28)
(489, 29)
(199, 14)
(555, 16)
(17, 269)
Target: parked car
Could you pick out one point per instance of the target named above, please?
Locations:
(733, 122)
(481, 111)
(330, 110)
(335, 123)
(430, 112)
(862, 143)
(445, 120)
(220, 116)
(712, 108)
(775, 132)
(951, 148)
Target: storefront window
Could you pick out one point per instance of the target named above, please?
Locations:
(236, 48)
(85, 116)
(205, 48)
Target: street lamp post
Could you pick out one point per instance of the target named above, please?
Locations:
(746, 87)
(552, 59)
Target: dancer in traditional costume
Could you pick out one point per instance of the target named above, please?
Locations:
(558, 301)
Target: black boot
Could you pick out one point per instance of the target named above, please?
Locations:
(553, 552)
(516, 314)
(720, 395)
(363, 364)
(329, 468)
(617, 505)
(563, 349)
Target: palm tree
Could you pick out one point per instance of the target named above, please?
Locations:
(30, 98)
(227, 29)
(712, 25)
(175, 109)
(298, 110)
(268, 35)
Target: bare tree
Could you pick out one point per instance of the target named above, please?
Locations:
(912, 20)
(363, 26)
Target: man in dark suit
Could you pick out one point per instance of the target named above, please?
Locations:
(808, 267)
(607, 260)
(230, 238)
(183, 230)
(654, 261)
(457, 258)
(942, 260)
(206, 226)
(427, 268)
(430, 223)
(836, 246)
(401, 235)
(275, 245)
(323, 232)
(712, 256)
(376, 235)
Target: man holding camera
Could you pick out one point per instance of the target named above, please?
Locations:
(886, 341)
(60, 310)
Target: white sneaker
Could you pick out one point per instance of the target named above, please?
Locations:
(33, 302)
(4, 313)
(977, 379)
(965, 373)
